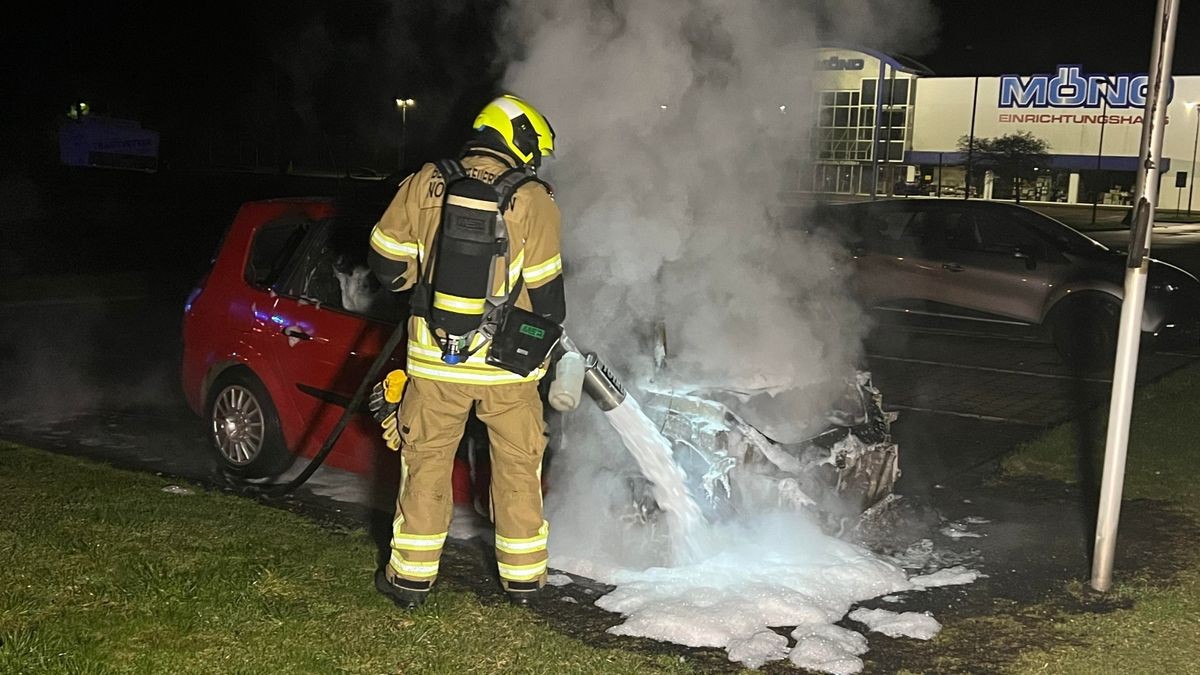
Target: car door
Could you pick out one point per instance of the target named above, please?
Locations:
(997, 269)
(893, 264)
(333, 320)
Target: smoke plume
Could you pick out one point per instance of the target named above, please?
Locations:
(679, 124)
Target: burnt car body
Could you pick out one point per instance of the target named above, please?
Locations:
(737, 446)
(993, 265)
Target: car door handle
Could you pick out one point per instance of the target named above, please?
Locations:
(953, 267)
(294, 332)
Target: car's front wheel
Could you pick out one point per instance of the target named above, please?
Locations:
(1085, 329)
(244, 427)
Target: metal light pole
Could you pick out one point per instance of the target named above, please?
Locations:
(403, 104)
(971, 141)
(1100, 147)
(1154, 126)
(1192, 107)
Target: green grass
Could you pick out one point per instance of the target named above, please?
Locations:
(1160, 633)
(1163, 457)
(101, 571)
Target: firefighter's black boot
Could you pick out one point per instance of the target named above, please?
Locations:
(524, 594)
(405, 598)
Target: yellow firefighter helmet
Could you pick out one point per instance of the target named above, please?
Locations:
(522, 128)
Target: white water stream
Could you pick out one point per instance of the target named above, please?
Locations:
(652, 452)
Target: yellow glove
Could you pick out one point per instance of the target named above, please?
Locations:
(391, 431)
(393, 385)
(385, 403)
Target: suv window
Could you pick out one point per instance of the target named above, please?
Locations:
(274, 246)
(902, 231)
(984, 232)
(333, 273)
(877, 222)
(1063, 237)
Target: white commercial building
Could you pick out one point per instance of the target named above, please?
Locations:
(887, 125)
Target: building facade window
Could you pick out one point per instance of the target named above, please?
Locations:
(849, 138)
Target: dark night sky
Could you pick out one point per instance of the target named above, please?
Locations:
(333, 68)
(981, 37)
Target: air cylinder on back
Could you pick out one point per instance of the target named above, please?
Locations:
(468, 246)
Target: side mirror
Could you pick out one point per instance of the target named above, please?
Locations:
(1030, 260)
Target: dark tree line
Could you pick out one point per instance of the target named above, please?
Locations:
(1012, 156)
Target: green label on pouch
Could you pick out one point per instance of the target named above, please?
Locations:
(533, 331)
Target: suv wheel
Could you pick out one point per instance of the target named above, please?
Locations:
(1085, 331)
(244, 427)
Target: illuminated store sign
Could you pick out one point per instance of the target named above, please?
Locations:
(838, 63)
(1070, 88)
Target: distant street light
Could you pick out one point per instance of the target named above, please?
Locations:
(403, 104)
(79, 110)
(1192, 107)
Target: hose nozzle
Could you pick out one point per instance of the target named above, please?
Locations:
(601, 384)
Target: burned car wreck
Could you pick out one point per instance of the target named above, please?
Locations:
(739, 449)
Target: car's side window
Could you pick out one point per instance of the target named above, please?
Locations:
(1006, 237)
(919, 229)
(959, 230)
(902, 231)
(885, 224)
(334, 274)
(982, 232)
(274, 246)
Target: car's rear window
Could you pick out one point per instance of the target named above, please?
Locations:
(1065, 237)
(332, 272)
(273, 247)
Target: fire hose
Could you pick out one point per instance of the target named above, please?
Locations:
(356, 401)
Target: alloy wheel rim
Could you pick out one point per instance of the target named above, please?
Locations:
(238, 425)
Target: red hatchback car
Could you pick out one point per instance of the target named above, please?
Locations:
(279, 333)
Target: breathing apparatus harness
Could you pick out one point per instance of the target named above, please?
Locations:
(471, 240)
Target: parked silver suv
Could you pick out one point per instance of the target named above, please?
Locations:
(1003, 265)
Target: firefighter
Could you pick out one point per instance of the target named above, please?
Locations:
(439, 392)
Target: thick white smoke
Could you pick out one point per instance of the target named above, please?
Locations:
(679, 124)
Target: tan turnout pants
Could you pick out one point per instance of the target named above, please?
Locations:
(433, 415)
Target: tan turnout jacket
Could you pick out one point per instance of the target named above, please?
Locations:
(405, 233)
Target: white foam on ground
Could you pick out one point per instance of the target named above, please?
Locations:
(955, 533)
(898, 624)
(960, 529)
(778, 571)
(950, 576)
(827, 648)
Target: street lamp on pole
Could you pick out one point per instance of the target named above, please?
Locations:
(403, 104)
(1192, 107)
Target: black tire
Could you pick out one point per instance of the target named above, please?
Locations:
(243, 427)
(1085, 331)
